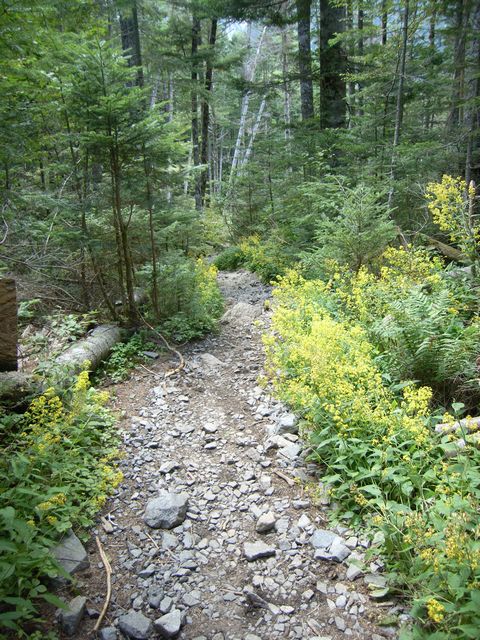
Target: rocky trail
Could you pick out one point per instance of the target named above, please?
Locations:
(214, 534)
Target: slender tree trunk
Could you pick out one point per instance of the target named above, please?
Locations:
(358, 88)
(472, 119)
(249, 76)
(196, 41)
(399, 106)
(350, 85)
(286, 89)
(332, 84)
(130, 36)
(305, 58)
(255, 129)
(384, 22)
(205, 107)
(455, 117)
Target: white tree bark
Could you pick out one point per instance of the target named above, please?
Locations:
(249, 77)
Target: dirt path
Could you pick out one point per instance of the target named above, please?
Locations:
(212, 434)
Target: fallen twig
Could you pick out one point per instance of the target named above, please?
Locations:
(169, 347)
(281, 475)
(108, 571)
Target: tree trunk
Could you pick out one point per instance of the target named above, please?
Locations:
(255, 129)
(205, 107)
(8, 324)
(249, 77)
(305, 58)
(472, 160)
(196, 41)
(130, 35)
(332, 84)
(384, 22)
(399, 106)
(455, 117)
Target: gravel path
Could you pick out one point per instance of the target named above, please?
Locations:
(249, 555)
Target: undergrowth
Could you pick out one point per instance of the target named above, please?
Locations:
(372, 361)
(56, 471)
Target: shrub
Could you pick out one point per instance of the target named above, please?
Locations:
(357, 234)
(268, 259)
(230, 259)
(56, 471)
(383, 461)
(201, 308)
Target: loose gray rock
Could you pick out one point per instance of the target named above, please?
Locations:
(339, 551)
(257, 550)
(266, 522)
(323, 539)
(166, 511)
(354, 572)
(71, 555)
(108, 633)
(242, 313)
(135, 625)
(291, 451)
(287, 424)
(169, 625)
(72, 616)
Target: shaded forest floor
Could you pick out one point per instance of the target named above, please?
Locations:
(213, 433)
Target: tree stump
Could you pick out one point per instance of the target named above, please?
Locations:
(8, 325)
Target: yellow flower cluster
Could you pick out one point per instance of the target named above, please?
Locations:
(57, 500)
(435, 610)
(45, 411)
(83, 382)
(449, 204)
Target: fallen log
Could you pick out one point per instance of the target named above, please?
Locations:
(448, 251)
(92, 349)
(17, 387)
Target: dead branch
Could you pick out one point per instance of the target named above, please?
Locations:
(108, 571)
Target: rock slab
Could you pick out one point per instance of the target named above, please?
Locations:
(166, 511)
(72, 616)
(71, 555)
(169, 626)
(257, 550)
(135, 626)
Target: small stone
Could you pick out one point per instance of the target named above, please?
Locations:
(308, 595)
(72, 616)
(166, 604)
(135, 625)
(166, 511)
(257, 550)
(340, 623)
(323, 539)
(353, 572)
(303, 521)
(266, 522)
(339, 551)
(169, 466)
(169, 625)
(191, 599)
(291, 451)
(287, 424)
(153, 355)
(108, 633)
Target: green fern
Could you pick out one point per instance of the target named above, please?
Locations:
(424, 339)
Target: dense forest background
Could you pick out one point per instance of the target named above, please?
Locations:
(138, 135)
(330, 145)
